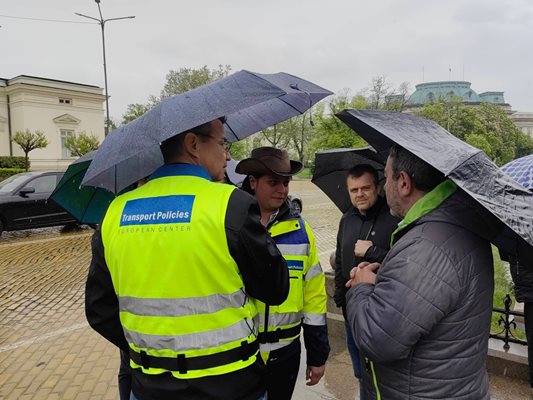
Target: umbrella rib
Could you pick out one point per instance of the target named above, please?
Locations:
(286, 94)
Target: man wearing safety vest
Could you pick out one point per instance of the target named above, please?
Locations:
(174, 265)
(269, 172)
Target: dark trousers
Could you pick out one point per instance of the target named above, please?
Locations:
(528, 322)
(124, 376)
(356, 358)
(282, 371)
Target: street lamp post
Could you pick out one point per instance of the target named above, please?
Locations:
(102, 22)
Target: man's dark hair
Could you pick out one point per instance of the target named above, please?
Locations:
(172, 147)
(424, 176)
(361, 169)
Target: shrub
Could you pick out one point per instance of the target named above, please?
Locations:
(7, 172)
(12, 162)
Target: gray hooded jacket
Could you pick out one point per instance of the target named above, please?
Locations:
(423, 329)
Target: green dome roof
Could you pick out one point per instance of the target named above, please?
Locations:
(434, 91)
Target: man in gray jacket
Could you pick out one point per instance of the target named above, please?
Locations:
(422, 323)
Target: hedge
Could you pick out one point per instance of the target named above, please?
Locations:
(7, 172)
(12, 162)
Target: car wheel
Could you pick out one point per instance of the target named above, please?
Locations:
(71, 227)
(297, 206)
(1, 226)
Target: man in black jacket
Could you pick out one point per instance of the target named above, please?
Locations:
(364, 235)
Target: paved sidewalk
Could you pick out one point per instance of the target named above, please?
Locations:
(47, 350)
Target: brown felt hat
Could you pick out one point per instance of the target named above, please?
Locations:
(269, 160)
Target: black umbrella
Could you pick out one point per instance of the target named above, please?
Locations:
(250, 102)
(510, 205)
(332, 165)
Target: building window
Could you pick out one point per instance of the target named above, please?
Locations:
(65, 133)
(63, 100)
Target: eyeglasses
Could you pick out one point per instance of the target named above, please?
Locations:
(225, 143)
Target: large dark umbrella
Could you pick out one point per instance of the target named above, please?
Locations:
(521, 170)
(248, 100)
(331, 167)
(509, 205)
(87, 204)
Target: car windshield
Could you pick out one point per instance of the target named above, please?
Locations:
(9, 184)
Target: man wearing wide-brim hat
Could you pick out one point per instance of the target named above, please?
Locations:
(269, 171)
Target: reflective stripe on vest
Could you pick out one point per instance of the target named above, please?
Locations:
(294, 249)
(165, 243)
(292, 238)
(313, 271)
(181, 307)
(314, 319)
(280, 319)
(184, 343)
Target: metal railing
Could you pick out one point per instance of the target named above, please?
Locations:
(507, 322)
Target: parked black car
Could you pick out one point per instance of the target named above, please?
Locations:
(25, 203)
(296, 201)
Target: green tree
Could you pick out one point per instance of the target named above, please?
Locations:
(329, 131)
(134, 111)
(184, 79)
(486, 126)
(524, 144)
(111, 125)
(243, 148)
(80, 144)
(29, 141)
(176, 82)
(276, 135)
(300, 132)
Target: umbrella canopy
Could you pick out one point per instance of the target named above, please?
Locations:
(87, 204)
(521, 170)
(331, 167)
(510, 206)
(233, 176)
(249, 101)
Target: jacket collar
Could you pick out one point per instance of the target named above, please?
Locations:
(180, 169)
(424, 205)
(284, 213)
(372, 211)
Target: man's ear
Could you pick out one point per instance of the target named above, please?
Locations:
(405, 184)
(190, 143)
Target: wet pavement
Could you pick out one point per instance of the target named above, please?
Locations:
(47, 350)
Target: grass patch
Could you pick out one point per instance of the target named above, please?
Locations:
(304, 174)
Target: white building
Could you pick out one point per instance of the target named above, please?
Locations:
(57, 108)
(524, 120)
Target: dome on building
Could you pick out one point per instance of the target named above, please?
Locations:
(434, 91)
(493, 97)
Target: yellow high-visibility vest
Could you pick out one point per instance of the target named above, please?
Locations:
(180, 293)
(307, 298)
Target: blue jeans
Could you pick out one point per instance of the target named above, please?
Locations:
(356, 358)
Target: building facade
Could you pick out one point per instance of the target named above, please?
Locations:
(58, 108)
(438, 91)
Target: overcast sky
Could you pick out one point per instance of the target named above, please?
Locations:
(338, 44)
